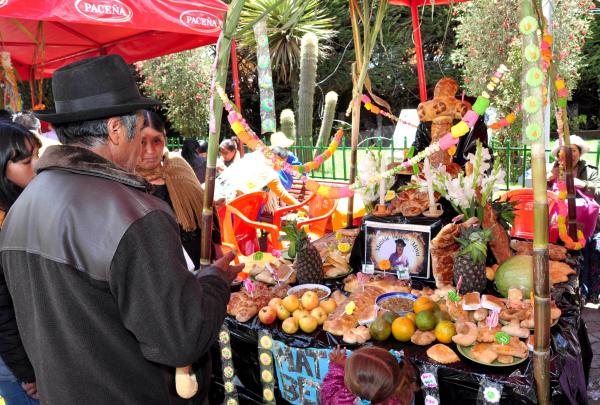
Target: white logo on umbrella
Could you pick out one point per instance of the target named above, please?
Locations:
(200, 20)
(104, 10)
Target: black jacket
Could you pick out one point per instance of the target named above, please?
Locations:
(11, 347)
(103, 300)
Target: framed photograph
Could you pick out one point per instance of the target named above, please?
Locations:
(402, 248)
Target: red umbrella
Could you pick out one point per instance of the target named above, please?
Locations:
(45, 35)
(414, 5)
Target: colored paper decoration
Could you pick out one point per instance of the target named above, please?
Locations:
(562, 221)
(531, 105)
(533, 131)
(532, 53)
(265, 79)
(528, 25)
(534, 77)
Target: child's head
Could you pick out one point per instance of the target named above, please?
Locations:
(374, 374)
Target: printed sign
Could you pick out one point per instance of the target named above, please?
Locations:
(300, 372)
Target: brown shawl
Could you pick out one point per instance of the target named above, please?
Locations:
(184, 189)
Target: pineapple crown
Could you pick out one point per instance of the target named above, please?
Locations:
(295, 235)
(473, 241)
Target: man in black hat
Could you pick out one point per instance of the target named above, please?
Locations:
(103, 300)
(397, 258)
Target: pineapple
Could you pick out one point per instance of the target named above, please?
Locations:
(470, 260)
(308, 264)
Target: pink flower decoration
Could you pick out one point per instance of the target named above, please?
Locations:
(365, 99)
(447, 141)
(471, 118)
(276, 253)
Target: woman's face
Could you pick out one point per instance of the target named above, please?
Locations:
(153, 144)
(575, 153)
(21, 173)
(227, 155)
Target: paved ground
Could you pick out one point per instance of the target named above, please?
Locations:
(592, 320)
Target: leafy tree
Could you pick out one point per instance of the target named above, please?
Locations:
(587, 94)
(487, 35)
(182, 82)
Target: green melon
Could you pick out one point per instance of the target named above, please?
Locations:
(516, 272)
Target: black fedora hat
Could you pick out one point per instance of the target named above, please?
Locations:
(94, 88)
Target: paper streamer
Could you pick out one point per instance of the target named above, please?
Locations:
(265, 78)
(429, 384)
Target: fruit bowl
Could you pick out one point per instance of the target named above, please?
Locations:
(321, 290)
(399, 303)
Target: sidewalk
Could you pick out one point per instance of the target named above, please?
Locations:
(592, 321)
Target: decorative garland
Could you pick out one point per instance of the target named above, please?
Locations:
(370, 106)
(267, 371)
(243, 131)
(563, 213)
(231, 397)
(505, 121)
(448, 141)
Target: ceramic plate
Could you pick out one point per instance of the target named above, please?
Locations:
(466, 351)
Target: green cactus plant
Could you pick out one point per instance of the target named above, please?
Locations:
(309, 54)
(331, 99)
(287, 123)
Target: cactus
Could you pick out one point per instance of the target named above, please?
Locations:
(331, 99)
(287, 123)
(309, 53)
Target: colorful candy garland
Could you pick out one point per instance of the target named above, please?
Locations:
(505, 121)
(449, 140)
(370, 106)
(243, 131)
(563, 212)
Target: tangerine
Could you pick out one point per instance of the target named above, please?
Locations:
(423, 304)
(425, 320)
(411, 316)
(402, 329)
(444, 331)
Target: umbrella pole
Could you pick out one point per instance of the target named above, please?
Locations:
(216, 112)
(532, 128)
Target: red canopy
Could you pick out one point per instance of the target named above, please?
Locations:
(414, 4)
(57, 32)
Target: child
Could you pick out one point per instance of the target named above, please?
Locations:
(371, 375)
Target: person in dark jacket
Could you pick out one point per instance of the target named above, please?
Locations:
(104, 302)
(18, 153)
(191, 152)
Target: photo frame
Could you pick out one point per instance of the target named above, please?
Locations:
(401, 248)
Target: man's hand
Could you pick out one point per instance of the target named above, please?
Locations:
(230, 272)
(31, 390)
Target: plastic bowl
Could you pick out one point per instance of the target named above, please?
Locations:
(384, 297)
(301, 287)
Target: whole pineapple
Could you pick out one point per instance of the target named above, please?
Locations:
(469, 262)
(308, 264)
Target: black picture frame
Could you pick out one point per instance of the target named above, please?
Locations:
(381, 241)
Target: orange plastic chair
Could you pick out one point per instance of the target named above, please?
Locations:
(320, 211)
(240, 225)
(523, 226)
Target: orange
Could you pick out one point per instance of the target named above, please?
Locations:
(423, 304)
(402, 329)
(444, 331)
(411, 316)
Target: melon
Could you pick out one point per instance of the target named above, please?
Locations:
(516, 272)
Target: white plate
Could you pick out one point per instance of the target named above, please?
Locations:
(310, 287)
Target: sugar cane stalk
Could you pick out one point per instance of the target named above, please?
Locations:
(362, 65)
(533, 120)
(219, 77)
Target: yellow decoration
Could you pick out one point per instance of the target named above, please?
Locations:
(267, 376)
(452, 150)
(390, 195)
(339, 236)
(237, 127)
(266, 342)
(350, 307)
(265, 359)
(268, 394)
(344, 247)
(459, 129)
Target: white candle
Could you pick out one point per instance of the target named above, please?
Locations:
(428, 176)
(382, 190)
